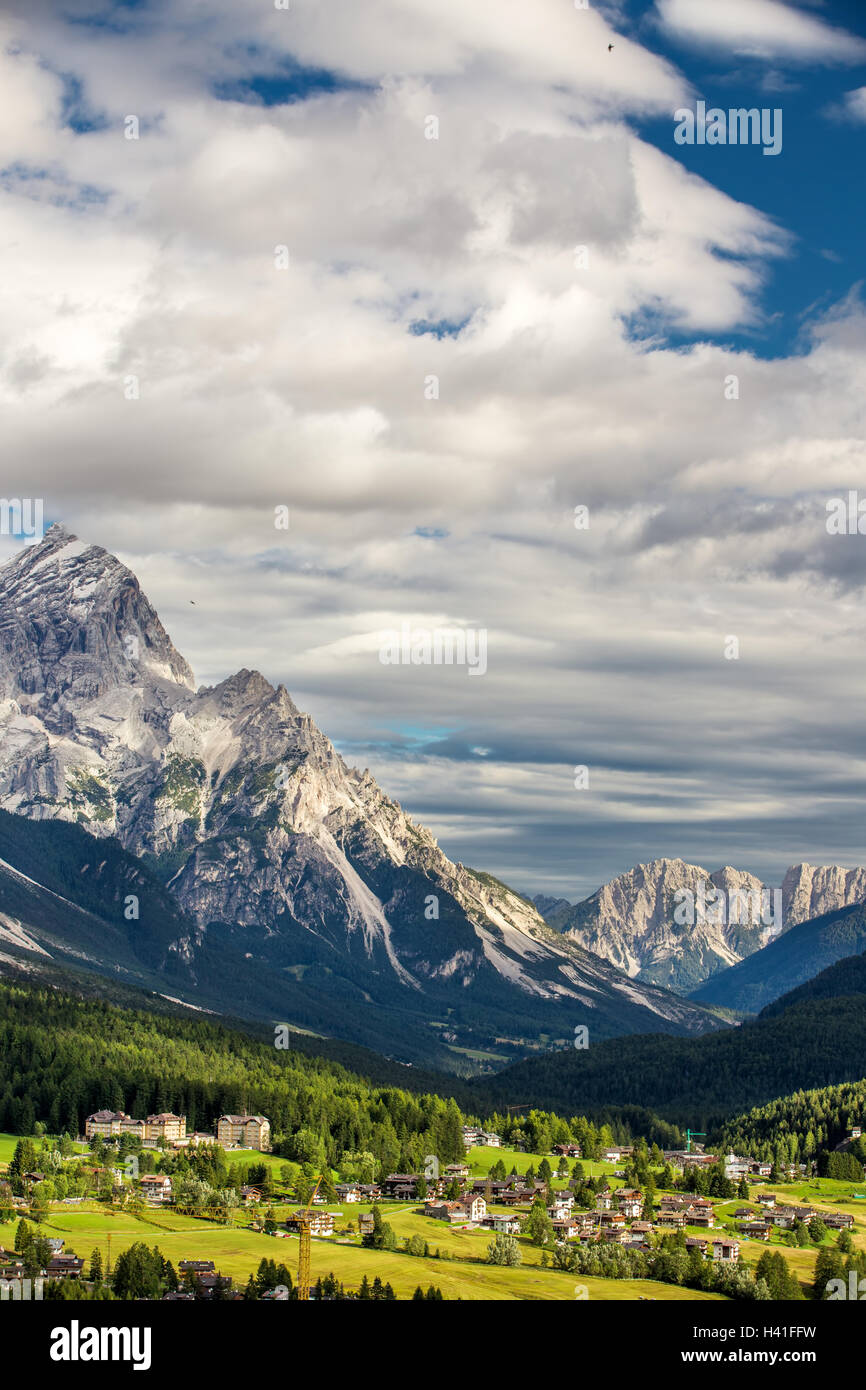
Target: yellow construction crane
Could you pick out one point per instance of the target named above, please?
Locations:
(303, 1218)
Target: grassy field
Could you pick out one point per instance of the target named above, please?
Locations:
(481, 1160)
(461, 1271)
(8, 1142)
(238, 1251)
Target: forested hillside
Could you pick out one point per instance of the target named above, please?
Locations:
(62, 1058)
(847, 976)
(700, 1081)
(796, 1127)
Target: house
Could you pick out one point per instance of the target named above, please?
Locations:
(348, 1192)
(604, 1201)
(566, 1228)
(618, 1235)
(767, 1200)
(465, 1210)
(838, 1220)
(567, 1150)
(321, 1223)
(245, 1131)
(855, 1132)
(701, 1213)
(736, 1168)
(460, 1171)
(196, 1267)
(64, 1267)
(561, 1205)
(611, 1155)
(612, 1220)
(155, 1187)
(784, 1217)
(696, 1243)
(474, 1206)
(474, 1137)
(206, 1285)
(370, 1191)
(726, 1250)
(630, 1201)
(171, 1128)
(366, 1224)
(105, 1124)
(672, 1218)
(755, 1230)
(489, 1140)
(504, 1222)
(250, 1195)
(494, 1188)
(402, 1187)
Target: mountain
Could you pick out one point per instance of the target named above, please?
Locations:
(788, 961)
(675, 924)
(699, 1082)
(846, 976)
(301, 891)
(550, 907)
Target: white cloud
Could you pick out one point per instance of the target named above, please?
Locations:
(305, 387)
(852, 107)
(760, 28)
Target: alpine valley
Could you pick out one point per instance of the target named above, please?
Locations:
(212, 845)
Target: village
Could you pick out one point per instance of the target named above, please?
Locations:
(559, 1200)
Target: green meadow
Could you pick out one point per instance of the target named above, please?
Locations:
(456, 1263)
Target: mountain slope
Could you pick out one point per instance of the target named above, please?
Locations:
(274, 850)
(698, 1082)
(677, 925)
(787, 962)
(846, 976)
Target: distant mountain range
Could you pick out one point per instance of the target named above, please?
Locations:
(213, 839)
(677, 925)
(788, 961)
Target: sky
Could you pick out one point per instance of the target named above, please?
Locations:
(439, 280)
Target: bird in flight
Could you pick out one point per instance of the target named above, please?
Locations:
(610, 48)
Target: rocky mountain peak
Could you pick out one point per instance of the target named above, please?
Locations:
(74, 623)
(256, 825)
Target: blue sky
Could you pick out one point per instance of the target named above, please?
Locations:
(811, 188)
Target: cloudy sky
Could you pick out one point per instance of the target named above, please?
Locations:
(327, 207)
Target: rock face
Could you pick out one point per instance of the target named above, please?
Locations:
(810, 892)
(676, 924)
(258, 827)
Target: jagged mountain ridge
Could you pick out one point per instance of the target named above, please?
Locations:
(257, 825)
(636, 920)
